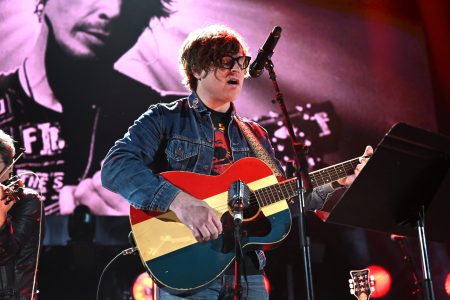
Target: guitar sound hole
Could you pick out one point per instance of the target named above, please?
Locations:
(251, 210)
(258, 226)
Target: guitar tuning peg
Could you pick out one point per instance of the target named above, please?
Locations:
(372, 289)
(352, 291)
(350, 280)
(351, 285)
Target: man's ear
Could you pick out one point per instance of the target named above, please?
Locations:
(197, 73)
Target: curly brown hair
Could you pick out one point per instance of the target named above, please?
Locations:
(204, 48)
(7, 150)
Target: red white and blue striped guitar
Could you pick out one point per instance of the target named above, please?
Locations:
(176, 260)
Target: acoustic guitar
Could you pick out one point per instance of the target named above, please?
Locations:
(176, 260)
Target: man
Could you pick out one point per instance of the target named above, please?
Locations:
(20, 231)
(66, 103)
(197, 134)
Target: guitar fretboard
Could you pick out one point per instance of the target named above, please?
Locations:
(288, 188)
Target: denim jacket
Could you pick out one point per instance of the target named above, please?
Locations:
(174, 136)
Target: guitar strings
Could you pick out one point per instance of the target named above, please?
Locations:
(267, 194)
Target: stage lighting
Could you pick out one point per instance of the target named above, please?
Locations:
(447, 284)
(266, 284)
(143, 288)
(383, 281)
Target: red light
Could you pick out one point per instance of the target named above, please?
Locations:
(267, 284)
(447, 284)
(383, 281)
(143, 287)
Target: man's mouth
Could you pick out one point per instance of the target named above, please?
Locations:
(233, 82)
(99, 34)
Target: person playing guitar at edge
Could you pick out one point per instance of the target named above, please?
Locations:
(198, 134)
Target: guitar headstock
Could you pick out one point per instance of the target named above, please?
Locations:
(361, 284)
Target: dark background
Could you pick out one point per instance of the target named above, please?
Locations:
(357, 66)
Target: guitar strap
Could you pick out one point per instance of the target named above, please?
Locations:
(263, 155)
(257, 147)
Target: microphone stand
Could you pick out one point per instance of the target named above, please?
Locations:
(238, 199)
(303, 180)
(238, 262)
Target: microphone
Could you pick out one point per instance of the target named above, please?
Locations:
(264, 53)
(238, 199)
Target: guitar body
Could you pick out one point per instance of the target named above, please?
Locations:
(170, 252)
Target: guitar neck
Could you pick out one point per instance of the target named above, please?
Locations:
(288, 189)
(333, 173)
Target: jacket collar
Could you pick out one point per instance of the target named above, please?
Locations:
(196, 104)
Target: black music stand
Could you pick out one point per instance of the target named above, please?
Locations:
(404, 188)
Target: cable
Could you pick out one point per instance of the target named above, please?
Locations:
(38, 251)
(38, 254)
(127, 251)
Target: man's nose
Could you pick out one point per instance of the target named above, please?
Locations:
(109, 9)
(236, 66)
